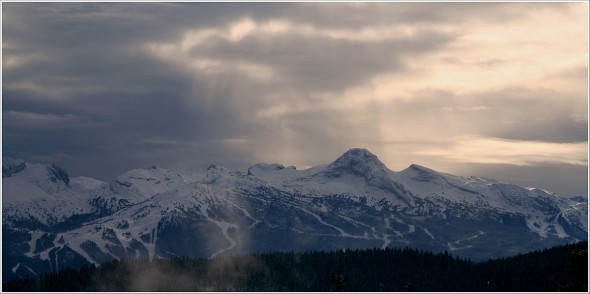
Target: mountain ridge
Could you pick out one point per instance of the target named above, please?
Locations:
(353, 202)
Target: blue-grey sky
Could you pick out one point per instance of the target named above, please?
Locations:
(498, 90)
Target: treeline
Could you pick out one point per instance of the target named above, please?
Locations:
(563, 268)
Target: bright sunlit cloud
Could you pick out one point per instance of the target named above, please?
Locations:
(500, 151)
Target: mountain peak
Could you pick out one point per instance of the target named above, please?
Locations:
(358, 152)
(12, 166)
(420, 168)
(57, 173)
(420, 173)
(357, 161)
(214, 168)
(264, 168)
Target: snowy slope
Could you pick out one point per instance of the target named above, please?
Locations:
(151, 181)
(542, 209)
(43, 193)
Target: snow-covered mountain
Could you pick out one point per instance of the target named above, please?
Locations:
(51, 221)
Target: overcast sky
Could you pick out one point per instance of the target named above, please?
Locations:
(498, 90)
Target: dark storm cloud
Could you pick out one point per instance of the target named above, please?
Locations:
(91, 94)
(316, 63)
(357, 15)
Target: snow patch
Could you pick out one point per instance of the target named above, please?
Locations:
(428, 233)
(386, 241)
(224, 226)
(342, 233)
(15, 268)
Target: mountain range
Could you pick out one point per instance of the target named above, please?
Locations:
(51, 221)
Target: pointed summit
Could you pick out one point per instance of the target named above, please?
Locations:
(356, 161)
(419, 168)
(421, 173)
(362, 163)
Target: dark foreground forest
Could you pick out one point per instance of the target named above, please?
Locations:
(563, 268)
